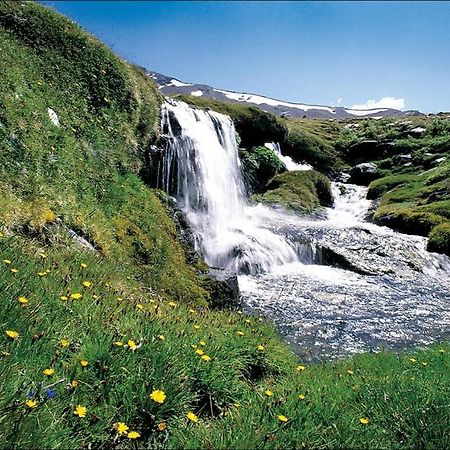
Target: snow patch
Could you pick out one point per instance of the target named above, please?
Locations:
(364, 112)
(259, 100)
(174, 82)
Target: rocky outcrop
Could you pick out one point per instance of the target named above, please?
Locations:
(364, 173)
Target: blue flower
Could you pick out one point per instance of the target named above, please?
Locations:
(50, 393)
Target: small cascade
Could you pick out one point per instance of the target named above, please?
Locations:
(290, 164)
(202, 170)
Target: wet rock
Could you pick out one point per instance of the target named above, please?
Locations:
(364, 173)
(224, 294)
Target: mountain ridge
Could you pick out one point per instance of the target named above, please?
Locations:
(173, 86)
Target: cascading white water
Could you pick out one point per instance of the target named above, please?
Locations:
(290, 164)
(202, 163)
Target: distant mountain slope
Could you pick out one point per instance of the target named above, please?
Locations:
(170, 86)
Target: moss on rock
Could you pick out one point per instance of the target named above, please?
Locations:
(439, 239)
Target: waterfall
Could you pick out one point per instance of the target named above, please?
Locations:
(290, 164)
(202, 170)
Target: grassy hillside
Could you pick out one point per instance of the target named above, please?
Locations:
(82, 174)
(114, 346)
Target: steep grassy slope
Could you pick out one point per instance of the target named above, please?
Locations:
(82, 174)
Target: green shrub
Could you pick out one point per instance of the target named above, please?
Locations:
(439, 239)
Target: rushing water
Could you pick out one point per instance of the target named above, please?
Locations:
(333, 286)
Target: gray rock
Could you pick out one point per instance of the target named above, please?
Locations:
(364, 173)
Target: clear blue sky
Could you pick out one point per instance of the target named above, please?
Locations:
(315, 52)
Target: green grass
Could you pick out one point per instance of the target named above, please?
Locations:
(404, 400)
(303, 191)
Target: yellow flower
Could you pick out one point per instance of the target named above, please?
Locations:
(282, 418)
(202, 343)
(23, 301)
(162, 426)
(74, 384)
(7, 261)
(121, 427)
(42, 255)
(199, 352)
(12, 334)
(87, 284)
(133, 435)
(248, 321)
(76, 296)
(301, 368)
(191, 311)
(192, 417)
(64, 343)
(84, 362)
(424, 364)
(132, 345)
(193, 346)
(350, 372)
(206, 358)
(42, 274)
(95, 297)
(83, 265)
(80, 411)
(196, 327)
(161, 337)
(413, 360)
(48, 372)
(301, 397)
(118, 343)
(172, 304)
(158, 396)
(63, 297)
(364, 420)
(31, 403)
(269, 393)
(140, 306)
(260, 348)
(13, 270)
(240, 333)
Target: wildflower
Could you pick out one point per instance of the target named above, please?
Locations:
(161, 337)
(193, 346)
(42, 255)
(199, 352)
(63, 297)
(202, 343)
(269, 393)
(12, 334)
(23, 301)
(31, 404)
(248, 321)
(172, 304)
(196, 327)
(121, 428)
(350, 372)
(118, 343)
(132, 345)
(206, 358)
(80, 411)
(300, 368)
(84, 363)
(424, 364)
(413, 360)
(162, 426)
(50, 393)
(7, 262)
(133, 435)
(48, 372)
(87, 284)
(158, 396)
(140, 306)
(120, 299)
(76, 296)
(301, 397)
(282, 418)
(42, 274)
(13, 270)
(95, 297)
(83, 265)
(74, 384)
(191, 311)
(192, 417)
(260, 347)
(64, 343)
(240, 333)
(364, 420)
